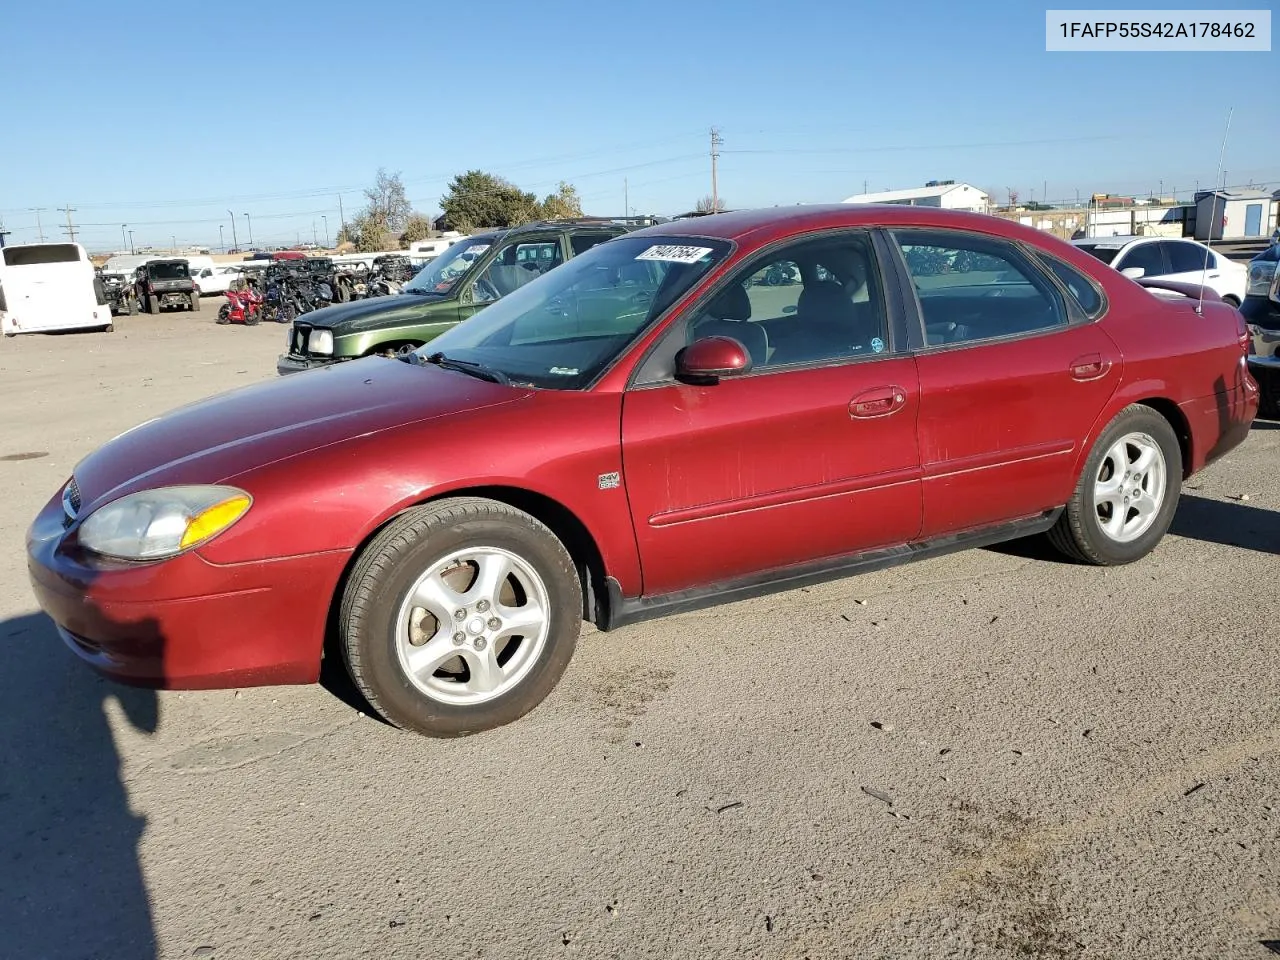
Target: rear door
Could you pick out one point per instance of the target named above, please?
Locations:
(1149, 255)
(1012, 379)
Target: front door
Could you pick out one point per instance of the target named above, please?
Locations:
(810, 455)
(1009, 385)
(1253, 220)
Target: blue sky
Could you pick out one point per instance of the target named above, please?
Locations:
(274, 109)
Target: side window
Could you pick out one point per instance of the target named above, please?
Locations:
(813, 301)
(977, 288)
(1084, 293)
(515, 265)
(582, 242)
(1148, 256)
(1187, 258)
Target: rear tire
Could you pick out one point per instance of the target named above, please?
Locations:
(484, 572)
(1127, 493)
(195, 302)
(153, 304)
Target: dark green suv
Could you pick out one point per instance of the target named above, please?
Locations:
(468, 276)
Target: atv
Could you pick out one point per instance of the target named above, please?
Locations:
(166, 283)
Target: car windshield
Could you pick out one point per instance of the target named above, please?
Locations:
(439, 276)
(168, 271)
(1105, 254)
(560, 330)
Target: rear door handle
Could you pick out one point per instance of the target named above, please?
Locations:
(877, 402)
(1091, 366)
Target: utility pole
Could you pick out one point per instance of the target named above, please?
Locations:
(326, 230)
(716, 140)
(250, 223)
(39, 225)
(131, 250)
(3, 233)
(315, 241)
(626, 197)
(342, 217)
(175, 244)
(234, 242)
(864, 186)
(71, 230)
(222, 241)
(124, 241)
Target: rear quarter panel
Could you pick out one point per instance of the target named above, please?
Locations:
(1171, 353)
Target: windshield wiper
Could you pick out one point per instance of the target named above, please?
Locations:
(423, 292)
(468, 367)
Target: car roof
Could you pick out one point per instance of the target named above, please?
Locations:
(1108, 242)
(763, 224)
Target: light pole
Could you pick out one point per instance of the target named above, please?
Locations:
(234, 241)
(222, 241)
(175, 242)
(123, 241)
(131, 250)
(326, 230)
(250, 223)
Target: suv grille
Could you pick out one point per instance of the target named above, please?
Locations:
(301, 335)
(71, 500)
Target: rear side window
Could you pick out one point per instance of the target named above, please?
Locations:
(1078, 286)
(971, 287)
(1187, 258)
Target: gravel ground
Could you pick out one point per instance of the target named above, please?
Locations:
(992, 754)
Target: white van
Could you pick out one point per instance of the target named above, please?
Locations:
(420, 251)
(49, 286)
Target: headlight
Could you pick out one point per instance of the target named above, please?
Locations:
(320, 341)
(1261, 274)
(154, 524)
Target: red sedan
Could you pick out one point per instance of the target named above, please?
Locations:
(686, 415)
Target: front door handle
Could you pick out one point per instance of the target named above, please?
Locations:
(1092, 366)
(877, 402)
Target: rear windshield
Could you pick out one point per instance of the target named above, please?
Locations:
(46, 253)
(1105, 254)
(168, 271)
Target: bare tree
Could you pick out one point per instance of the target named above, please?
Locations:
(708, 205)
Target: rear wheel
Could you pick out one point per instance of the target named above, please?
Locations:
(153, 304)
(1127, 494)
(130, 306)
(460, 616)
(195, 301)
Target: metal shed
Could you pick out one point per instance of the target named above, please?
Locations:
(1234, 214)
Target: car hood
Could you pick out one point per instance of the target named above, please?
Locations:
(226, 435)
(374, 313)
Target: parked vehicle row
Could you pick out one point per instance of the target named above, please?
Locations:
(655, 425)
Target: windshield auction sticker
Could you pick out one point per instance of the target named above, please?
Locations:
(675, 254)
(1137, 31)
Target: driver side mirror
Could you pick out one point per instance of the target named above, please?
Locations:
(707, 360)
(1134, 273)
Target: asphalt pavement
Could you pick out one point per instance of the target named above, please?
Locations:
(991, 754)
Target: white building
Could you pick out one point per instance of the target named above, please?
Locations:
(946, 194)
(1233, 214)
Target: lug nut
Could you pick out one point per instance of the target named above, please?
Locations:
(494, 623)
(482, 606)
(459, 615)
(459, 638)
(481, 643)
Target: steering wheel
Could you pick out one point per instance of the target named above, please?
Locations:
(486, 290)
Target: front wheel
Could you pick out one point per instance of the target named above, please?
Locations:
(224, 313)
(1127, 494)
(460, 616)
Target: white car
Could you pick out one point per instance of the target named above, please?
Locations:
(1185, 261)
(214, 278)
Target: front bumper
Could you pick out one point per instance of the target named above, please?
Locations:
(184, 623)
(288, 363)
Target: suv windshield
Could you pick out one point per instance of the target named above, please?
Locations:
(439, 276)
(167, 271)
(563, 328)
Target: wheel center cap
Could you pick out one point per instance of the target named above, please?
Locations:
(476, 626)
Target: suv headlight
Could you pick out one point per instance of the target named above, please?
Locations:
(161, 523)
(320, 341)
(1261, 273)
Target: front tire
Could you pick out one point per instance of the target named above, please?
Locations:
(1127, 494)
(460, 616)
